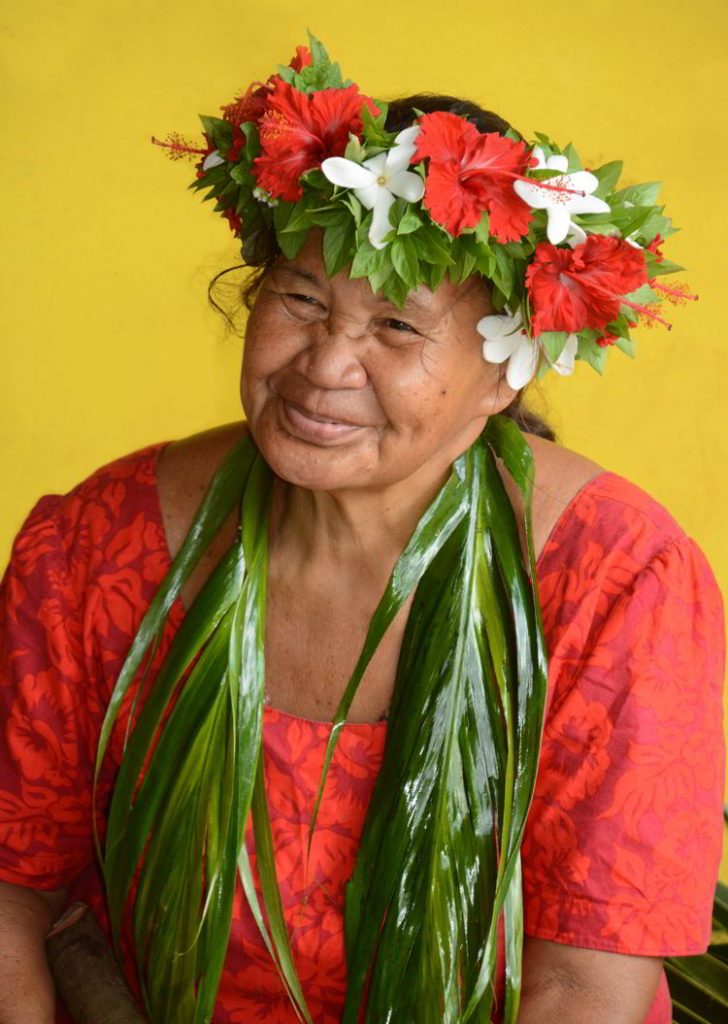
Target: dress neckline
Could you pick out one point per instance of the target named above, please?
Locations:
(155, 451)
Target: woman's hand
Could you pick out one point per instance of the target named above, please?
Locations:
(571, 985)
(27, 993)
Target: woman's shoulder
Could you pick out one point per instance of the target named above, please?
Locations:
(578, 505)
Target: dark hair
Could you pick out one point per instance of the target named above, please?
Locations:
(400, 115)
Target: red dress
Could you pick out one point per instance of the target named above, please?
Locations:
(624, 838)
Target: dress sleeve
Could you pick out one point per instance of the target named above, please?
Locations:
(46, 751)
(623, 841)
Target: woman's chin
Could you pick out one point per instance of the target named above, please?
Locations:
(324, 465)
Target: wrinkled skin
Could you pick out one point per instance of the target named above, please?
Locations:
(414, 379)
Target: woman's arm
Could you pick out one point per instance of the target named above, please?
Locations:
(28, 993)
(570, 985)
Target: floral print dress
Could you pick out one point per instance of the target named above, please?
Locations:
(623, 840)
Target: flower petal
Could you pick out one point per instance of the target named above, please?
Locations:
(346, 173)
(522, 364)
(376, 164)
(497, 326)
(380, 221)
(212, 160)
(584, 181)
(576, 235)
(587, 204)
(558, 163)
(558, 224)
(497, 350)
(538, 198)
(369, 195)
(407, 185)
(408, 135)
(565, 362)
(398, 159)
(537, 151)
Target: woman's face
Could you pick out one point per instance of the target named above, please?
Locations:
(343, 390)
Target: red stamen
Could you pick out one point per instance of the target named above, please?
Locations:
(677, 294)
(178, 147)
(646, 311)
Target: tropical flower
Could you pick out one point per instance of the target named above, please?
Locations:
(571, 289)
(471, 172)
(378, 181)
(250, 105)
(299, 130)
(507, 338)
(571, 195)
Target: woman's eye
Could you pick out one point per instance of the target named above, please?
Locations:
(400, 325)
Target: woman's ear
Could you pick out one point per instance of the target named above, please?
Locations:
(499, 394)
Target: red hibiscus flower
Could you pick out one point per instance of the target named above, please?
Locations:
(470, 172)
(299, 130)
(571, 289)
(250, 105)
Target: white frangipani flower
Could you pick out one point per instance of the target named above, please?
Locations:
(560, 206)
(212, 160)
(379, 180)
(506, 338)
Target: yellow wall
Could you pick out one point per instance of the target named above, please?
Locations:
(108, 344)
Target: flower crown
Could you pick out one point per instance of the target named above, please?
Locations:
(573, 263)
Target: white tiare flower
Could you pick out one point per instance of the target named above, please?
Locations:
(212, 160)
(506, 338)
(560, 206)
(379, 180)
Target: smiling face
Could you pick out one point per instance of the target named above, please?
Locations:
(404, 391)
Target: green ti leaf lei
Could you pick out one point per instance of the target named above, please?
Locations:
(438, 862)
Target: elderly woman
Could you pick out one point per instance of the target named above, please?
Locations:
(361, 393)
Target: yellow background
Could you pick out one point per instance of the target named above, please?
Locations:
(108, 343)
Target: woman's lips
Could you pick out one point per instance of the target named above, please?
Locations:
(312, 429)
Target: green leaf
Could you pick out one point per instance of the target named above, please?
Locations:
(291, 243)
(404, 259)
(573, 157)
(432, 246)
(252, 140)
(300, 218)
(626, 345)
(354, 206)
(338, 245)
(656, 267)
(503, 272)
(594, 354)
(366, 260)
(409, 222)
(482, 229)
(355, 150)
(608, 175)
(380, 272)
(640, 195)
(553, 342)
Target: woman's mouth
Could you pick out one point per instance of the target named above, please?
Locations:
(315, 428)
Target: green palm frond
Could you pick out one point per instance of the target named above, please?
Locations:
(439, 856)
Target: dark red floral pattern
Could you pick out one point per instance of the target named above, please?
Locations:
(623, 840)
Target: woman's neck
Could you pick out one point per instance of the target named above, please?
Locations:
(354, 532)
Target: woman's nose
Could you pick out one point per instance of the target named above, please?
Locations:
(332, 357)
